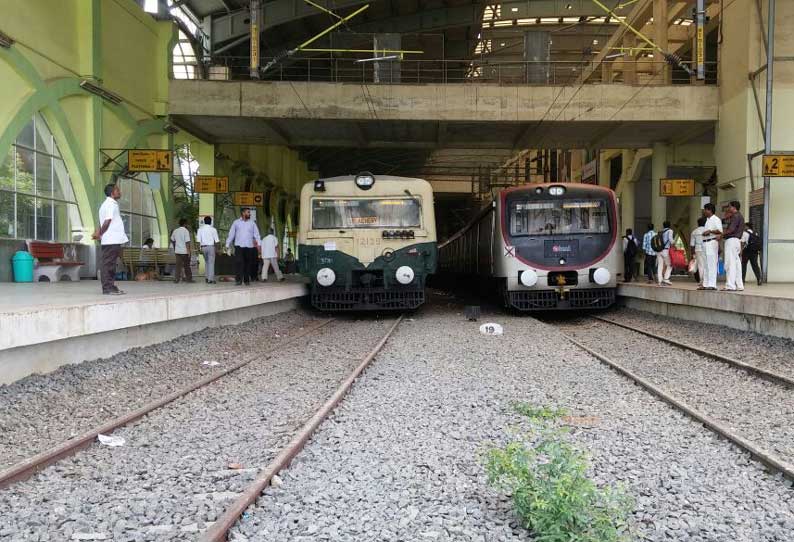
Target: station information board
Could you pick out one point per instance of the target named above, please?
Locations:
(778, 165)
(208, 184)
(677, 187)
(151, 160)
(252, 199)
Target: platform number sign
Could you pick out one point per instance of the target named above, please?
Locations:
(249, 199)
(208, 184)
(778, 165)
(151, 160)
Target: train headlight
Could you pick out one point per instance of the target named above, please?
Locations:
(326, 276)
(404, 275)
(556, 190)
(528, 278)
(602, 276)
(365, 180)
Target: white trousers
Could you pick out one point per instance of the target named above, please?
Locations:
(664, 267)
(700, 260)
(733, 264)
(711, 257)
(266, 263)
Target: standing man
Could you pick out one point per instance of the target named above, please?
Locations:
(181, 240)
(664, 266)
(244, 233)
(207, 239)
(711, 247)
(650, 254)
(696, 244)
(751, 248)
(270, 255)
(111, 235)
(629, 253)
(733, 249)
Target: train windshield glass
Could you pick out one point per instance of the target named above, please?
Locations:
(366, 213)
(560, 217)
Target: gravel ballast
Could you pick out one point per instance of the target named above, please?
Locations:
(40, 411)
(401, 459)
(764, 351)
(181, 465)
(759, 410)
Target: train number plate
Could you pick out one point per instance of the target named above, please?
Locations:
(557, 249)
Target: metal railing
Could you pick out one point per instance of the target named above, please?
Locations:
(346, 70)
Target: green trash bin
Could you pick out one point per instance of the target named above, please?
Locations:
(23, 266)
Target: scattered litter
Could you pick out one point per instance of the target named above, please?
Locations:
(491, 329)
(235, 466)
(582, 421)
(211, 363)
(111, 440)
(89, 536)
(276, 481)
(410, 319)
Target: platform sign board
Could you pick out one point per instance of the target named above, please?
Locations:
(149, 160)
(249, 199)
(677, 187)
(208, 184)
(778, 165)
(590, 172)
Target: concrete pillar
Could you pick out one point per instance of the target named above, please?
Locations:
(627, 197)
(606, 72)
(660, 13)
(387, 71)
(629, 60)
(658, 172)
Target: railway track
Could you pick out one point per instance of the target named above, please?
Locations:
(26, 468)
(697, 386)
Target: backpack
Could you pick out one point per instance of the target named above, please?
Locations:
(657, 243)
(631, 247)
(754, 243)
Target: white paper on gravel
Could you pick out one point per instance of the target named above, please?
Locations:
(211, 363)
(111, 440)
(491, 329)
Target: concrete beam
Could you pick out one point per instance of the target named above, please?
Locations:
(451, 102)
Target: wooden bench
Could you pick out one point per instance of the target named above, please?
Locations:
(52, 264)
(136, 258)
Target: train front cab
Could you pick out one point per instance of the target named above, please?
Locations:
(368, 249)
(559, 247)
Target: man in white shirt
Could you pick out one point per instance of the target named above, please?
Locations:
(181, 240)
(244, 233)
(111, 236)
(696, 244)
(207, 238)
(664, 266)
(270, 255)
(711, 234)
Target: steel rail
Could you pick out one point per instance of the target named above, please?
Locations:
(764, 456)
(771, 376)
(30, 466)
(219, 530)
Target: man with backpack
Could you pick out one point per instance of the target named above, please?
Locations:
(661, 244)
(630, 249)
(650, 255)
(752, 244)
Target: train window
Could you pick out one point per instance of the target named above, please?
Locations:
(560, 217)
(328, 214)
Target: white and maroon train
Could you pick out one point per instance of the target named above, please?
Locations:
(547, 246)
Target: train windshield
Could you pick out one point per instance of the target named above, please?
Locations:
(366, 213)
(559, 217)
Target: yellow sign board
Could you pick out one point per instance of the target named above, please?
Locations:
(701, 45)
(249, 199)
(149, 160)
(677, 187)
(207, 184)
(778, 165)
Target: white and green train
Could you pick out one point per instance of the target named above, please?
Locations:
(366, 242)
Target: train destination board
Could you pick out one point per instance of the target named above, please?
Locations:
(677, 187)
(253, 199)
(208, 184)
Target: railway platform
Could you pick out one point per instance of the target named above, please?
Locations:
(767, 309)
(46, 325)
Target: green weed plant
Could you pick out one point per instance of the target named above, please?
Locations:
(551, 492)
(543, 413)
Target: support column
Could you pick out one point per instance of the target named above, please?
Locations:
(256, 17)
(630, 60)
(606, 72)
(660, 13)
(658, 172)
(627, 192)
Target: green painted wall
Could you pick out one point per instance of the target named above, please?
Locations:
(112, 42)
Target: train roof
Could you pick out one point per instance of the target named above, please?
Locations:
(378, 178)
